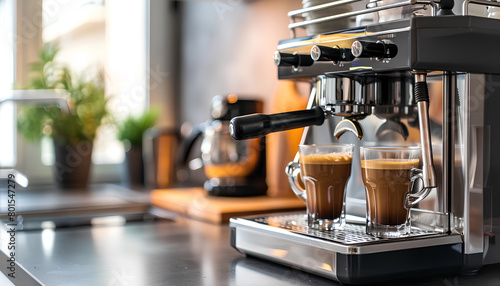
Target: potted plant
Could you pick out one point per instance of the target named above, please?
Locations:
(131, 132)
(72, 132)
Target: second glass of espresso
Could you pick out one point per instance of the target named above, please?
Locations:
(386, 176)
(325, 170)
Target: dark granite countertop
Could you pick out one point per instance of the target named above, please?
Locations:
(178, 252)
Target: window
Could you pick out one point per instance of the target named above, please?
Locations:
(109, 34)
(7, 120)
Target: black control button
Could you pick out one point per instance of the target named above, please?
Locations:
(296, 60)
(322, 53)
(379, 50)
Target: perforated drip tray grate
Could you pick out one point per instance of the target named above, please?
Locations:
(352, 234)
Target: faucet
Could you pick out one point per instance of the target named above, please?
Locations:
(38, 97)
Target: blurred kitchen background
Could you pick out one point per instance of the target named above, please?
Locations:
(173, 55)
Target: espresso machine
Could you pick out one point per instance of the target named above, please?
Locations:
(418, 72)
(233, 168)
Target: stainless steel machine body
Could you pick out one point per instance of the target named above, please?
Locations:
(454, 228)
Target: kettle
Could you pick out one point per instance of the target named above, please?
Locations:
(234, 168)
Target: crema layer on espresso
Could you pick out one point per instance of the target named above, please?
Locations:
(389, 164)
(332, 158)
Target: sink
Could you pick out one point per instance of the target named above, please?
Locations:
(48, 207)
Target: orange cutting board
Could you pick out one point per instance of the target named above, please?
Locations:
(195, 203)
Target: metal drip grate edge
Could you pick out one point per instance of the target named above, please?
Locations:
(352, 234)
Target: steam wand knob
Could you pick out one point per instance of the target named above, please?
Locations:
(335, 54)
(379, 50)
(445, 7)
(295, 59)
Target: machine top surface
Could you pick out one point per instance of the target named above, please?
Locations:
(438, 43)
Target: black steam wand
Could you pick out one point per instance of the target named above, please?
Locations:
(427, 174)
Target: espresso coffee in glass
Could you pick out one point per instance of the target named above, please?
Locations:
(325, 170)
(386, 176)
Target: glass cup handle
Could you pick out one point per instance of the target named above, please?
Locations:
(293, 170)
(414, 198)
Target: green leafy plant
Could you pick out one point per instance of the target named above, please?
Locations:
(132, 128)
(86, 99)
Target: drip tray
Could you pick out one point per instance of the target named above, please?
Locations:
(352, 234)
(350, 255)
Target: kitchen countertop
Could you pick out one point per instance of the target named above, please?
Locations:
(177, 252)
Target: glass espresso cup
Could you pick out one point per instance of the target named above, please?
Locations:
(388, 174)
(324, 170)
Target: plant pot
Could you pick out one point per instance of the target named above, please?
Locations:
(133, 174)
(72, 164)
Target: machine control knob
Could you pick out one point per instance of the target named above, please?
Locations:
(296, 60)
(336, 54)
(379, 50)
